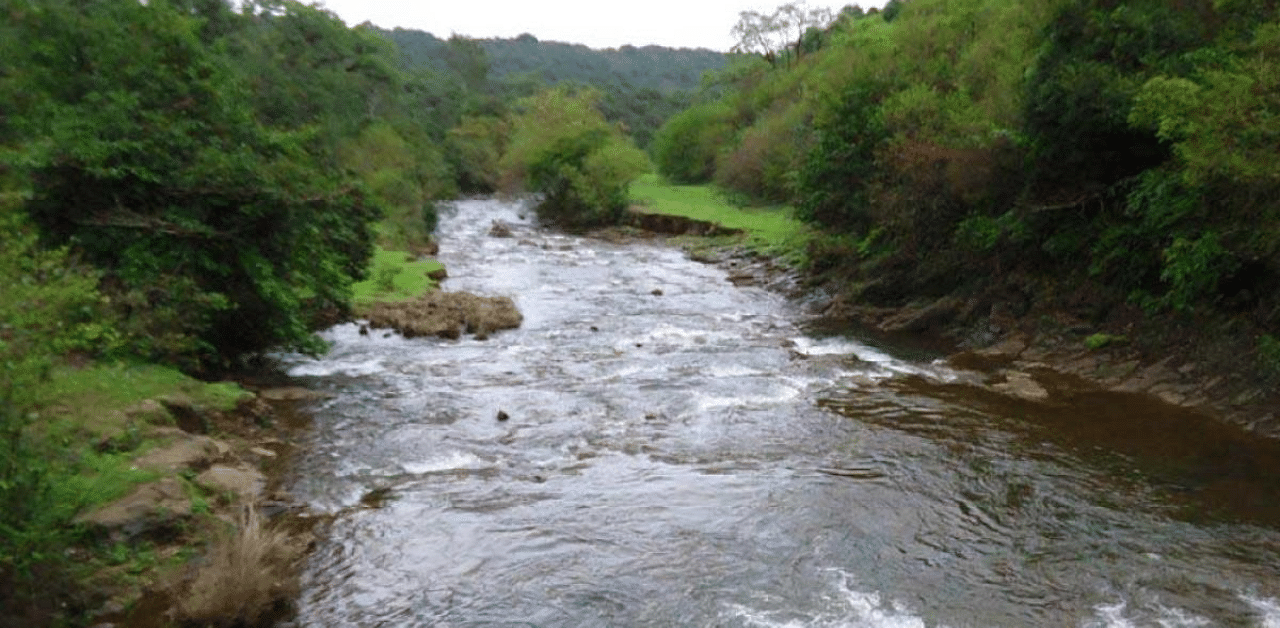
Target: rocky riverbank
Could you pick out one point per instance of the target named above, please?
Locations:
(216, 494)
(1034, 347)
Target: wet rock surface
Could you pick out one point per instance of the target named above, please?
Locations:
(446, 315)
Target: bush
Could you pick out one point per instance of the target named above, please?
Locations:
(151, 162)
(834, 180)
(762, 166)
(563, 149)
(48, 307)
(685, 148)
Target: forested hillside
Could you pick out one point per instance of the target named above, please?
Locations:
(1025, 150)
(641, 87)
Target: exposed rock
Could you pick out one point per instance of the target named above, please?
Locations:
(186, 452)
(931, 317)
(1009, 348)
(156, 507)
(439, 274)
(500, 230)
(503, 416)
(446, 315)
(1021, 385)
(292, 393)
(246, 483)
(185, 414)
(677, 225)
(427, 250)
(657, 292)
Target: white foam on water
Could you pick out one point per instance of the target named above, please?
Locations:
(779, 394)
(847, 608)
(1268, 610)
(453, 461)
(350, 368)
(1115, 616)
(731, 370)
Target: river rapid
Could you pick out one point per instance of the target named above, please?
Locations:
(680, 451)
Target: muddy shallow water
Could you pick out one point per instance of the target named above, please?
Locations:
(678, 451)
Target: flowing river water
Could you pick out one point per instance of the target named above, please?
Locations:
(702, 457)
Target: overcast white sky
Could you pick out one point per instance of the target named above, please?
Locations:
(596, 23)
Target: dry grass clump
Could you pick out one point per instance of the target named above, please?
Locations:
(445, 314)
(249, 574)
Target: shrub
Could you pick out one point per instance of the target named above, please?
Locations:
(833, 182)
(562, 148)
(248, 574)
(762, 166)
(685, 147)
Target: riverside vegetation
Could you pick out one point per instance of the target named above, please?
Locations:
(185, 185)
(1079, 167)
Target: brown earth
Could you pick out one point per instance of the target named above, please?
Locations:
(444, 314)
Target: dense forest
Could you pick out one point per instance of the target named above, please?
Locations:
(1028, 150)
(641, 86)
(190, 183)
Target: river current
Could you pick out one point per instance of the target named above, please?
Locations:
(680, 451)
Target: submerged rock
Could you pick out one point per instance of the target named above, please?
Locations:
(446, 315)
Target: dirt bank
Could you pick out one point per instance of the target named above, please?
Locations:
(229, 540)
(444, 314)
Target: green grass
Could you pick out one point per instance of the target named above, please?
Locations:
(394, 277)
(772, 230)
(93, 399)
(81, 408)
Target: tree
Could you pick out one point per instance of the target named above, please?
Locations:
(563, 148)
(215, 235)
(776, 35)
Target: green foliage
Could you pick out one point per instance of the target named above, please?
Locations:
(1100, 340)
(833, 182)
(1224, 119)
(685, 148)
(151, 160)
(48, 307)
(762, 166)
(1193, 268)
(1268, 359)
(401, 177)
(980, 233)
(476, 147)
(396, 276)
(562, 148)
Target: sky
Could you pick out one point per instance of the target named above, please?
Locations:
(595, 23)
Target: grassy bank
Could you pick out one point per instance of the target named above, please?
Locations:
(770, 230)
(86, 427)
(395, 276)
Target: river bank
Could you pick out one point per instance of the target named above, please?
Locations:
(1029, 336)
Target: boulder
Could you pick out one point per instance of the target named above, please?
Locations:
(246, 483)
(1021, 385)
(291, 393)
(151, 508)
(931, 317)
(500, 230)
(186, 452)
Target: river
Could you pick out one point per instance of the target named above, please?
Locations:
(680, 451)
